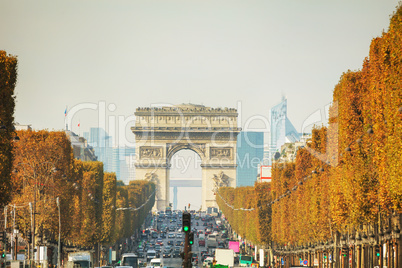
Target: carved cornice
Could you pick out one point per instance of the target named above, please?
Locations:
(222, 166)
(151, 165)
(186, 136)
(185, 110)
(136, 129)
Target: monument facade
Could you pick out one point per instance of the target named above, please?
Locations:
(209, 132)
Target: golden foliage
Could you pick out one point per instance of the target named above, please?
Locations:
(8, 78)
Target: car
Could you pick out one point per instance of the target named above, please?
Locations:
(168, 248)
(176, 252)
(171, 235)
(159, 241)
(170, 242)
(179, 235)
(166, 253)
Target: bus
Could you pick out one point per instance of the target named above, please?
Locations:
(168, 210)
(245, 260)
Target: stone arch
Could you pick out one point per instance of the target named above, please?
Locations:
(199, 149)
(209, 132)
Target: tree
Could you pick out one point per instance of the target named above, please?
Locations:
(8, 79)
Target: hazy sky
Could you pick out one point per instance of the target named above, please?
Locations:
(125, 54)
(113, 56)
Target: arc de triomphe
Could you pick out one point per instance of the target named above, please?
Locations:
(210, 132)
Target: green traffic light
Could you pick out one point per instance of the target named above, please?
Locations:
(185, 228)
(191, 242)
(3, 255)
(378, 254)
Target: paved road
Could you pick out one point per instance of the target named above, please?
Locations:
(173, 223)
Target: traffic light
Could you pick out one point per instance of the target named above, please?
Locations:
(344, 252)
(191, 238)
(29, 237)
(2, 237)
(3, 255)
(186, 222)
(377, 251)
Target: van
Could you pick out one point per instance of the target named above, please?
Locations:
(156, 262)
(151, 254)
(129, 259)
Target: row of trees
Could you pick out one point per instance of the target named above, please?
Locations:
(247, 210)
(349, 175)
(44, 169)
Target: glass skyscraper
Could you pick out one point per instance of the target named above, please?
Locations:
(282, 130)
(250, 153)
(119, 160)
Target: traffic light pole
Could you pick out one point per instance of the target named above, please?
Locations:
(186, 262)
(187, 247)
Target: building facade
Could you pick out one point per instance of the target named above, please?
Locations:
(250, 154)
(81, 149)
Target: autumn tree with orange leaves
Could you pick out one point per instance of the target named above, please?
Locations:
(8, 79)
(44, 169)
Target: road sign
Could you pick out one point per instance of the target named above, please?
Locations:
(305, 262)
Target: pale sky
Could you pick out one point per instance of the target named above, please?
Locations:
(128, 54)
(117, 55)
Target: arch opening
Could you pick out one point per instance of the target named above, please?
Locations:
(185, 179)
